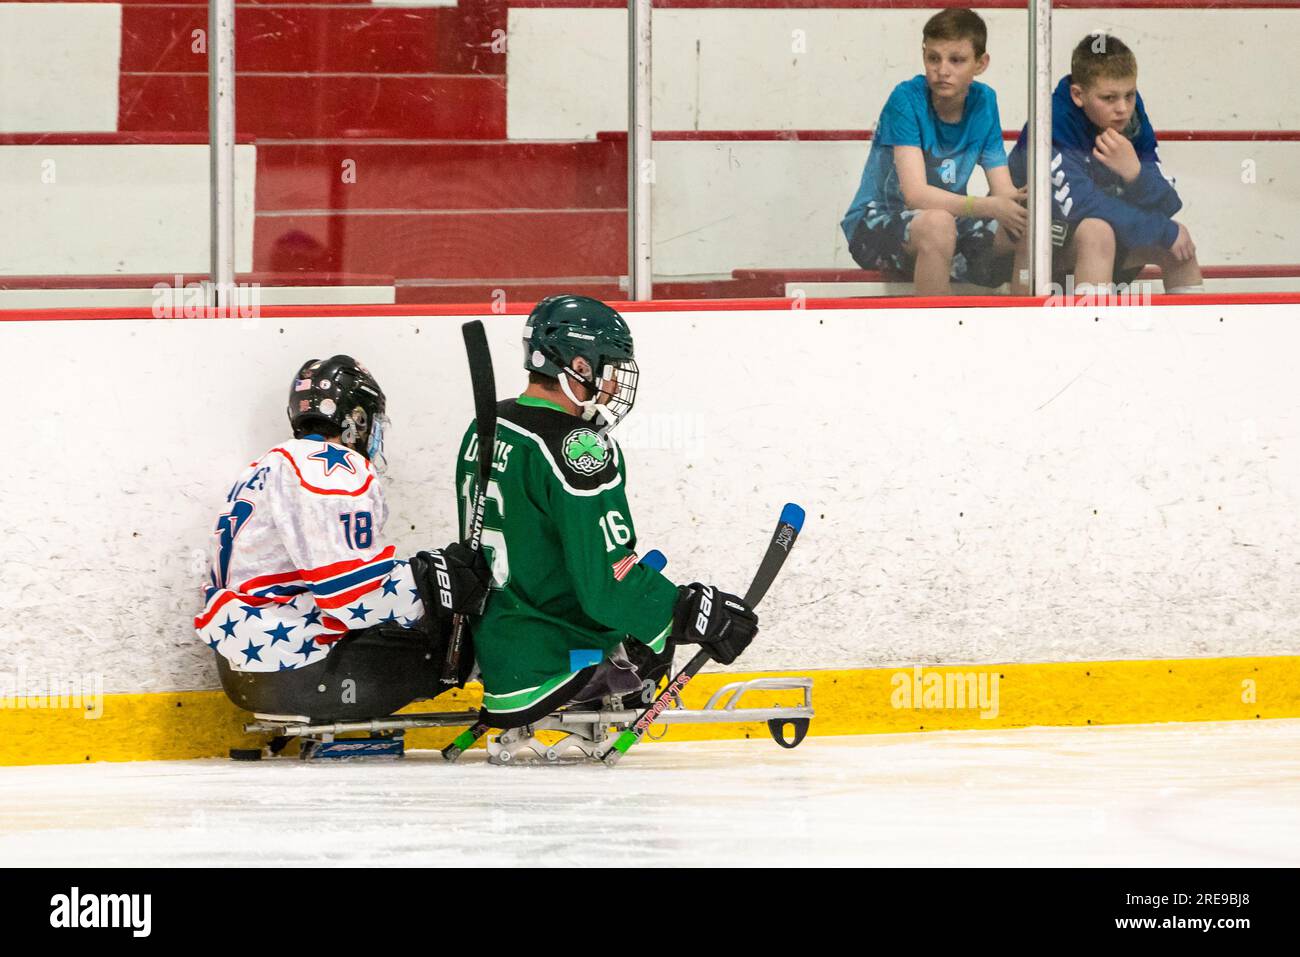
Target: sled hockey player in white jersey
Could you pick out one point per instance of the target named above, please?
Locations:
(307, 609)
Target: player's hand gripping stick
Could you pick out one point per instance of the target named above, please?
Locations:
(787, 530)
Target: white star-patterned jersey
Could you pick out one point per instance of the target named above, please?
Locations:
(297, 560)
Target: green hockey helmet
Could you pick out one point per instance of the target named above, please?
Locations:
(562, 329)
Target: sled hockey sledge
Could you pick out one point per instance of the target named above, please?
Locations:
(589, 733)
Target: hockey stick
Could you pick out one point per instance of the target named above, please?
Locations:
(787, 530)
(466, 739)
(484, 386)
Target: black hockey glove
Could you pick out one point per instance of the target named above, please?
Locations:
(721, 624)
(452, 580)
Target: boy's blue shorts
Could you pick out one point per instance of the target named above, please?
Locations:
(877, 243)
(1063, 235)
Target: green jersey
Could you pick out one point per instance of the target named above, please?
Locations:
(558, 534)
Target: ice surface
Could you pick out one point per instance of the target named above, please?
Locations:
(1180, 794)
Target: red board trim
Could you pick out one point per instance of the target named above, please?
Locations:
(439, 310)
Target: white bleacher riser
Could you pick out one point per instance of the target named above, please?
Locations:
(144, 297)
(116, 209)
(720, 206)
(735, 69)
(843, 290)
(59, 66)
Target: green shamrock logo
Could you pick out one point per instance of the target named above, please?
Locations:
(585, 451)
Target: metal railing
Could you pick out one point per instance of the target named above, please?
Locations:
(640, 161)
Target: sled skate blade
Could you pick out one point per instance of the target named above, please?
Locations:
(586, 739)
(381, 746)
(382, 737)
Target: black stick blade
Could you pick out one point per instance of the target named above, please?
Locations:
(483, 384)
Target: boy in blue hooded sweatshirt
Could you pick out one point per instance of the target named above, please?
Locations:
(1112, 207)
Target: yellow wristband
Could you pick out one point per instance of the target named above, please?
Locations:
(968, 207)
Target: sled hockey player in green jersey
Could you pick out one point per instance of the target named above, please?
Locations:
(570, 608)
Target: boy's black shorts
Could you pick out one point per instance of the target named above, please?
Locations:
(878, 240)
(1063, 232)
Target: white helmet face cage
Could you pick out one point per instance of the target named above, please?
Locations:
(617, 387)
(613, 392)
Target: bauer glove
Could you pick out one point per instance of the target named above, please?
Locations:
(452, 580)
(720, 623)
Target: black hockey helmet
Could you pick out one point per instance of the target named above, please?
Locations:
(339, 395)
(563, 328)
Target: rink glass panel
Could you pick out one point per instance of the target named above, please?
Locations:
(1216, 84)
(104, 176)
(763, 123)
(477, 153)
(388, 164)
(763, 118)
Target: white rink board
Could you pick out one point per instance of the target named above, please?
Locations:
(982, 485)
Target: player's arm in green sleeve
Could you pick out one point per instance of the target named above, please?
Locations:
(598, 541)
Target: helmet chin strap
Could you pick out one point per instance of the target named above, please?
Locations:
(591, 409)
(604, 413)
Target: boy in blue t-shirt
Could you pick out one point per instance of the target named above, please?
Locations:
(911, 213)
(1112, 207)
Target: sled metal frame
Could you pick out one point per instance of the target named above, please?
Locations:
(591, 733)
